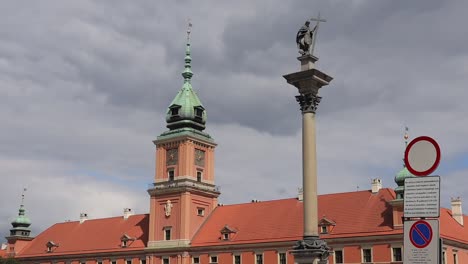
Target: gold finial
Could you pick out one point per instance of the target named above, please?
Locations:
(22, 196)
(189, 29)
(406, 136)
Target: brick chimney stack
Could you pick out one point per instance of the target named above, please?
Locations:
(457, 210)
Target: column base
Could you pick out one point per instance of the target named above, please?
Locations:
(311, 250)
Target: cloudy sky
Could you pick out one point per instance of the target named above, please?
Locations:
(84, 86)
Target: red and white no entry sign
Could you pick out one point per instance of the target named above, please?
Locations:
(422, 156)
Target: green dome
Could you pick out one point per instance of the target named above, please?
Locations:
(400, 181)
(402, 175)
(22, 220)
(186, 110)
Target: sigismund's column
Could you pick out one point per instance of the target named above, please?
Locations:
(308, 81)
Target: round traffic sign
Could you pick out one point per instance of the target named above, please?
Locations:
(422, 156)
(420, 234)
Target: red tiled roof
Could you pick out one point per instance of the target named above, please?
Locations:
(450, 228)
(355, 214)
(97, 235)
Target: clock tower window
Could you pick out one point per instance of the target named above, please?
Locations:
(170, 174)
(199, 175)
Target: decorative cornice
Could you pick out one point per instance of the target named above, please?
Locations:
(308, 102)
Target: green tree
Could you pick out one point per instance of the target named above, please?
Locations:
(9, 261)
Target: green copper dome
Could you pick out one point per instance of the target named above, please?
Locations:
(400, 181)
(22, 220)
(186, 110)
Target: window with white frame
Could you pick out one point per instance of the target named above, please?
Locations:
(258, 258)
(213, 259)
(455, 258)
(366, 255)
(196, 260)
(143, 261)
(165, 260)
(237, 259)
(282, 258)
(444, 258)
(339, 256)
(128, 261)
(396, 253)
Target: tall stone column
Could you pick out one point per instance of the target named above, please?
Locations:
(311, 249)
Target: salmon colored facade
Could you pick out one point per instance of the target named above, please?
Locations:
(186, 225)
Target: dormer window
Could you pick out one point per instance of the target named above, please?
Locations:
(198, 111)
(126, 240)
(323, 229)
(51, 245)
(175, 110)
(227, 233)
(326, 225)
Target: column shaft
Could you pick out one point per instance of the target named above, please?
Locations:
(309, 175)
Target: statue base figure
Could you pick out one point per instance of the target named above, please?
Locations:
(311, 250)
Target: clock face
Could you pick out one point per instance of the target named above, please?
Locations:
(199, 157)
(172, 156)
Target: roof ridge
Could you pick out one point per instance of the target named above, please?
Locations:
(97, 219)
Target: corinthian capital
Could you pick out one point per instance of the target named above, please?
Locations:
(308, 102)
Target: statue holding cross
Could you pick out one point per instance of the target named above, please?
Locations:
(305, 38)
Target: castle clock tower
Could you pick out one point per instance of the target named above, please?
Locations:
(183, 193)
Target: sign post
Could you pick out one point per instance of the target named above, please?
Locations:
(422, 200)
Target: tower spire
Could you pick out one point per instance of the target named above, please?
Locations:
(406, 136)
(21, 223)
(187, 73)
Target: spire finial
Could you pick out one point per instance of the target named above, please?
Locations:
(406, 136)
(187, 73)
(189, 30)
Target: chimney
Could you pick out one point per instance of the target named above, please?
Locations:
(83, 217)
(457, 210)
(127, 213)
(300, 194)
(376, 185)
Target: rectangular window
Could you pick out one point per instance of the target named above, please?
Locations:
(338, 256)
(323, 229)
(99, 262)
(198, 112)
(170, 175)
(165, 261)
(259, 259)
(366, 255)
(455, 258)
(143, 261)
(175, 111)
(443, 258)
(237, 259)
(199, 176)
(282, 258)
(213, 259)
(167, 234)
(113, 262)
(397, 254)
(129, 261)
(200, 211)
(196, 260)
